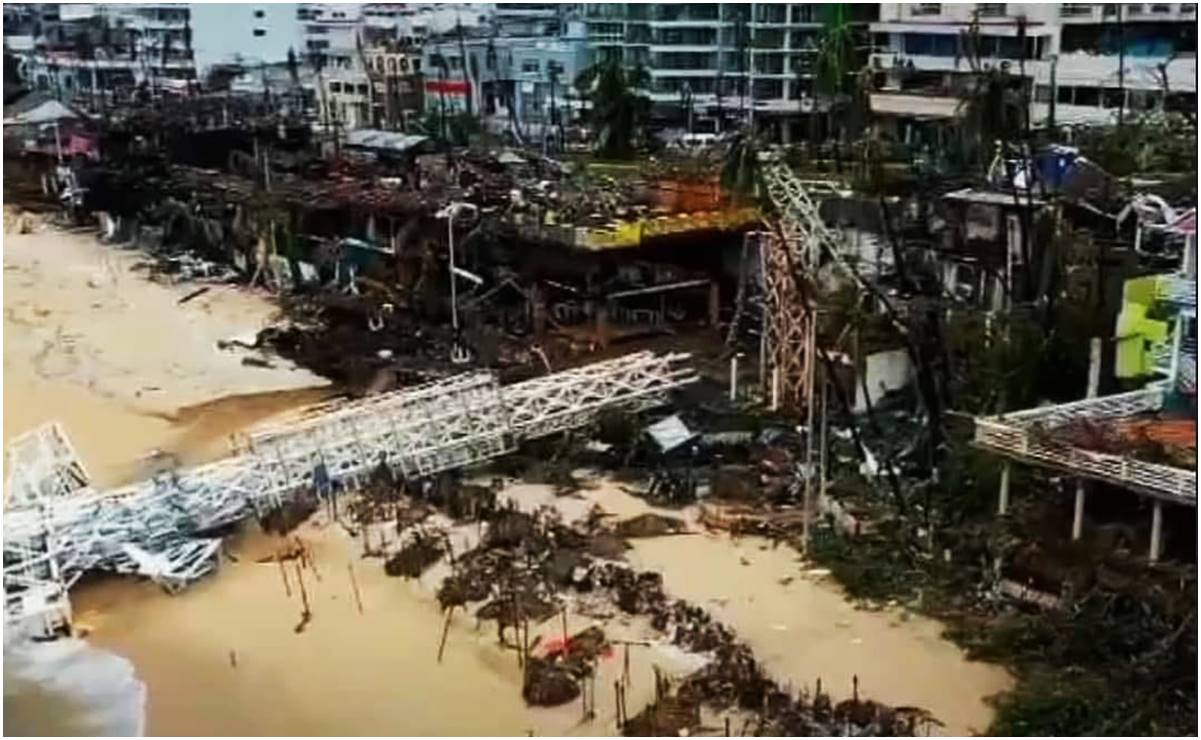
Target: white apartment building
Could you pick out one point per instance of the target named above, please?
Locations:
(81, 50)
(1072, 56)
(722, 60)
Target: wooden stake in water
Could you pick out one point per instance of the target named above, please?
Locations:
(617, 702)
(445, 632)
(283, 573)
(354, 585)
(304, 596)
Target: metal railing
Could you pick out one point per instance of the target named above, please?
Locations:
(1019, 436)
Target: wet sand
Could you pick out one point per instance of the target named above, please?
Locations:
(119, 362)
(802, 626)
(375, 672)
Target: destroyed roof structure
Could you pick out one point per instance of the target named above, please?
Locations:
(1143, 441)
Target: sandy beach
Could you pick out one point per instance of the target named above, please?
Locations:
(126, 370)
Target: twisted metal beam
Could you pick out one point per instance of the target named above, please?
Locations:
(58, 528)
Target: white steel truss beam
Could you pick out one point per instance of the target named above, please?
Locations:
(57, 527)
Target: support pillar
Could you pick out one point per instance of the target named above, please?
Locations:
(1003, 500)
(602, 324)
(538, 310)
(734, 377)
(1156, 530)
(714, 304)
(775, 389)
(1078, 514)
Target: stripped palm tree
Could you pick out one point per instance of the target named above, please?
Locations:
(618, 106)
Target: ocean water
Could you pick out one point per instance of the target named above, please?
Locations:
(68, 687)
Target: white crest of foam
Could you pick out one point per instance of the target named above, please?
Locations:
(101, 686)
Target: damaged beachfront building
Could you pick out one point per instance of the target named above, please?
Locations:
(1078, 63)
(1143, 441)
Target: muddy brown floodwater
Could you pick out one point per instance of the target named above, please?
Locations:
(126, 370)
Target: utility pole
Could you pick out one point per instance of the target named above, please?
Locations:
(1121, 67)
(1054, 93)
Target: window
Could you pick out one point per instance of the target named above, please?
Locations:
(991, 10)
(392, 66)
(316, 30)
(1069, 10)
(932, 44)
(553, 67)
(258, 32)
(1063, 95)
(258, 14)
(1163, 8)
(1113, 97)
(363, 88)
(1088, 96)
(1188, 8)
(925, 9)
(335, 87)
(416, 65)
(529, 66)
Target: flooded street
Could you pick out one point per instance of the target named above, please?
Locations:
(132, 372)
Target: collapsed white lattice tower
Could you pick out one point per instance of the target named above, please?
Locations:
(60, 528)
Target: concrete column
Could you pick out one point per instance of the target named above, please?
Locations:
(1078, 514)
(734, 378)
(1156, 530)
(775, 389)
(1003, 500)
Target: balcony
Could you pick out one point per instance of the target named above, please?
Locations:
(1040, 437)
(1076, 10)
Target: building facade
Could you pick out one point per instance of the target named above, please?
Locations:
(89, 53)
(1081, 63)
(711, 64)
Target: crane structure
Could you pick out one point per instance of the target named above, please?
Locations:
(57, 527)
(792, 250)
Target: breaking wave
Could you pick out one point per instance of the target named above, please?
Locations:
(68, 687)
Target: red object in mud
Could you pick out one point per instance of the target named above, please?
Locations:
(559, 645)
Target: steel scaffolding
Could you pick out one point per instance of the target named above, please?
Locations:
(57, 527)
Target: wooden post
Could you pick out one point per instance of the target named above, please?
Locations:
(617, 702)
(304, 596)
(354, 585)
(445, 632)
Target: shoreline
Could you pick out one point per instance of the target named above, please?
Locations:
(345, 666)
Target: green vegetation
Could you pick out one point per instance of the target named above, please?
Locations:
(618, 109)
